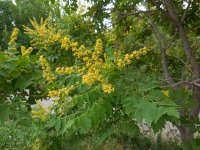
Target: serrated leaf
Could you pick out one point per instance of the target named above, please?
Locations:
(68, 125)
(147, 86)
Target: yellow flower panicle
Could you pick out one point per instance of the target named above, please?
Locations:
(165, 92)
(120, 63)
(43, 34)
(46, 70)
(128, 58)
(90, 78)
(26, 52)
(74, 46)
(107, 88)
(60, 92)
(40, 112)
(65, 43)
(118, 54)
(99, 46)
(55, 38)
(64, 70)
(12, 44)
(14, 35)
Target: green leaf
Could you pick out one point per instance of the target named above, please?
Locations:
(22, 84)
(12, 52)
(128, 105)
(4, 112)
(130, 128)
(3, 73)
(147, 86)
(9, 65)
(84, 124)
(2, 56)
(148, 111)
(109, 130)
(51, 123)
(158, 125)
(58, 124)
(192, 145)
(68, 125)
(52, 1)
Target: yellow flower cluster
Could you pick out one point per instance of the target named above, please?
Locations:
(165, 92)
(74, 46)
(94, 63)
(46, 70)
(54, 37)
(107, 88)
(94, 66)
(64, 70)
(40, 112)
(13, 37)
(26, 52)
(118, 54)
(65, 43)
(43, 33)
(12, 44)
(99, 46)
(39, 144)
(61, 92)
(127, 59)
(90, 78)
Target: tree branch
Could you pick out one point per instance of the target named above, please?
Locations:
(182, 84)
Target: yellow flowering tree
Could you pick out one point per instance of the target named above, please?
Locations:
(93, 86)
(93, 82)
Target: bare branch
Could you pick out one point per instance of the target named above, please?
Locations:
(182, 84)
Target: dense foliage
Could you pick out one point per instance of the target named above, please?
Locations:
(71, 80)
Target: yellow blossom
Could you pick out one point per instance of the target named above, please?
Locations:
(64, 70)
(74, 46)
(121, 63)
(55, 37)
(65, 43)
(99, 46)
(165, 92)
(107, 88)
(13, 37)
(46, 70)
(26, 52)
(60, 92)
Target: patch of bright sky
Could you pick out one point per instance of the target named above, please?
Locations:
(14, 2)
